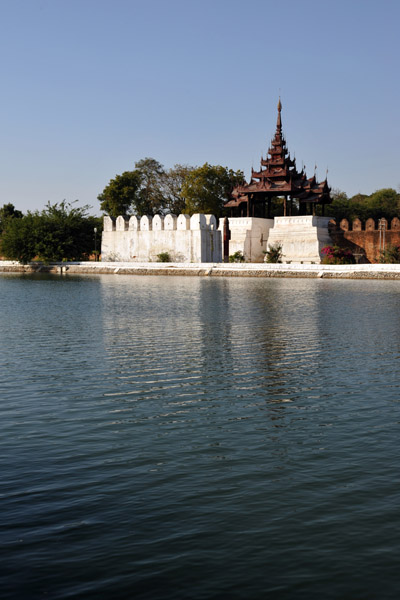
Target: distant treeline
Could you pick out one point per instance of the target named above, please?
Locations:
(382, 203)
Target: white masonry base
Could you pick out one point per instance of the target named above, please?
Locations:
(249, 235)
(302, 237)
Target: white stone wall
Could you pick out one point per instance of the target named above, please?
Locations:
(196, 239)
(186, 239)
(249, 235)
(302, 237)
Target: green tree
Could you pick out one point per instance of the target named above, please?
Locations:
(384, 203)
(151, 197)
(207, 188)
(174, 181)
(140, 192)
(18, 240)
(339, 208)
(8, 211)
(60, 231)
(119, 196)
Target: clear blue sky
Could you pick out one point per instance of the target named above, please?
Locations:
(91, 86)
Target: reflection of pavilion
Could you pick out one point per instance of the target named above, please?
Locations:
(278, 178)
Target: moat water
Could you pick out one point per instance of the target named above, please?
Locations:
(172, 438)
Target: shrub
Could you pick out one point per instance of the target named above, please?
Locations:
(236, 257)
(164, 257)
(334, 255)
(274, 253)
(390, 255)
(57, 232)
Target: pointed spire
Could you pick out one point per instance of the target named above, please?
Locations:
(279, 120)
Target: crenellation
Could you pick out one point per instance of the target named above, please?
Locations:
(134, 223)
(183, 223)
(170, 222)
(370, 225)
(121, 224)
(108, 224)
(146, 223)
(158, 223)
(395, 224)
(198, 221)
(211, 222)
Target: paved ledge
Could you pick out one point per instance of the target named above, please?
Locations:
(375, 271)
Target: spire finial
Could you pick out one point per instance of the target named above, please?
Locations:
(279, 120)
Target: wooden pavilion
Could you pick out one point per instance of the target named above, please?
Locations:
(278, 177)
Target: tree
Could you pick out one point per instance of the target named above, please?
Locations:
(151, 197)
(149, 189)
(140, 192)
(120, 194)
(8, 211)
(60, 231)
(384, 203)
(18, 239)
(206, 188)
(174, 181)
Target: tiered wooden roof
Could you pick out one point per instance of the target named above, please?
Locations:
(278, 176)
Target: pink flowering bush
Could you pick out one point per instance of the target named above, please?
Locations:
(334, 255)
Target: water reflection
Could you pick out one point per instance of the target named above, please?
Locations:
(186, 434)
(245, 343)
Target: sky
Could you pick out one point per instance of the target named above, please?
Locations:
(89, 87)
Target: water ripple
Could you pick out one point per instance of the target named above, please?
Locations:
(183, 437)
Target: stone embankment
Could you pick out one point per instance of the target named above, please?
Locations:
(364, 271)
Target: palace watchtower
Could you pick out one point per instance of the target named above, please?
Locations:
(278, 177)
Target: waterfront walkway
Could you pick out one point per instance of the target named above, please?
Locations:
(364, 271)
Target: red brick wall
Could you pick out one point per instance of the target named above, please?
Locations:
(358, 235)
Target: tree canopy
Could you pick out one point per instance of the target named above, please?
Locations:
(207, 188)
(7, 212)
(60, 231)
(150, 189)
(120, 194)
(140, 191)
(175, 178)
(150, 198)
(382, 203)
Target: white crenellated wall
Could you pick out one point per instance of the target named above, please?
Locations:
(186, 239)
(197, 239)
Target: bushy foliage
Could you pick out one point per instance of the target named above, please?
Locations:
(382, 203)
(59, 232)
(119, 195)
(150, 189)
(335, 255)
(274, 253)
(173, 184)
(7, 212)
(390, 255)
(164, 257)
(207, 188)
(236, 257)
